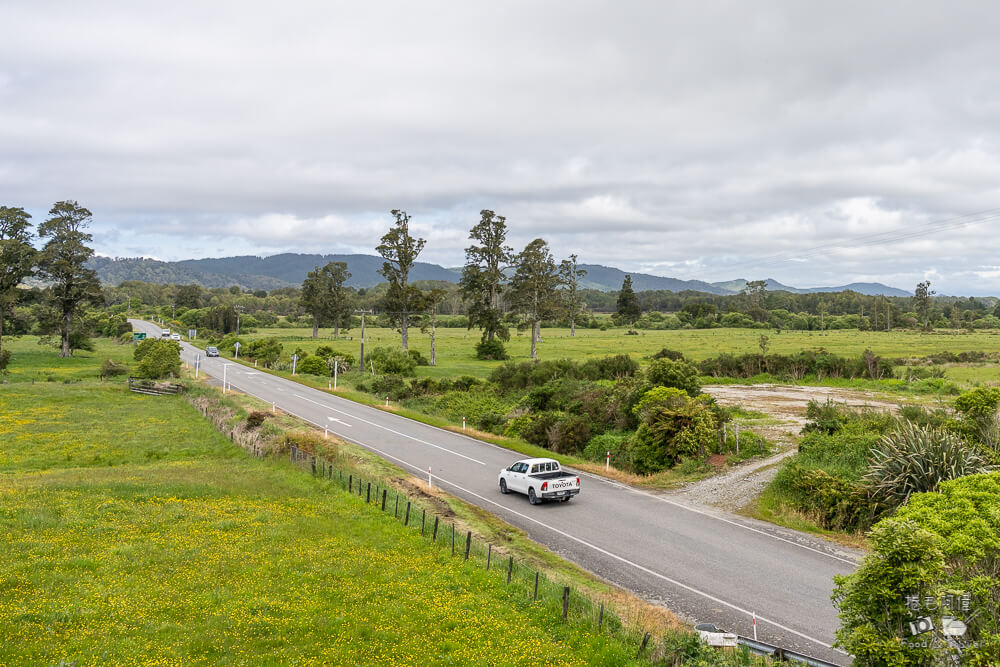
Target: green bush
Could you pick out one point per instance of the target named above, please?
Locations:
(393, 386)
(615, 442)
(4, 360)
(670, 373)
(418, 358)
(491, 350)
(673, 425)
(392, 361)
(112, 368)
(158, 358)
(313, 366)
(938, 544)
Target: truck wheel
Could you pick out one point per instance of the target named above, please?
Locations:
(532, 498)
(503, 486)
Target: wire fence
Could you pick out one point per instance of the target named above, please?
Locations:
(443, 532)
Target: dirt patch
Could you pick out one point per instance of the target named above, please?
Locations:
(787, 403)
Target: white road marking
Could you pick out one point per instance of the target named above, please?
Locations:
(615, 556)
(334, 419)
(386, 428)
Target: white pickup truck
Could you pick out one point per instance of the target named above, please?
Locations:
(540, 479)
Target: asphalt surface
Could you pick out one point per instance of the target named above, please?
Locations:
(705, 564)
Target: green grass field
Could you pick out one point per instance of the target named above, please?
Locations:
(456, 347)
(134, 533)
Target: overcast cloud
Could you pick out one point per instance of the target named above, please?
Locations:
(696, 140)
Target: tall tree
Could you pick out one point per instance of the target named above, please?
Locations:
(325, 297)
(922, 301)
(17, 257)
(572, 299)
(62, 263)
(400, 250)
(628, 302)
(189, 296)
(755, 292)
(534, 289)
(483, 275)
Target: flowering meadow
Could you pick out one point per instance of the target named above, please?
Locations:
(132, 533)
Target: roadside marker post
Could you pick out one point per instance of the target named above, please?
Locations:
(463, 423)
(607, 463)
(326, 432)
(755, 626)
(273, 410)
(329, 384)
(430, 483)
(386, 401)
(335, 364)
(197, 364)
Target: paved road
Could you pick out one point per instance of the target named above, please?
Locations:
(702, 563)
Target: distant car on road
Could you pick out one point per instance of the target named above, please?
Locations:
(540, 479)
(165, 333)
(211, 351)
(175, 336)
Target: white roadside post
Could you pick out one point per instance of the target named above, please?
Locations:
(225, 373)
(607, 463)
(236, 346)
(273, 408)
(335, 364)
(430, 484)
(755, 626)
(463, 423)
(197, 364)
(295, 359)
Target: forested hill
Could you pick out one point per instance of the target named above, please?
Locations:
(290, 269)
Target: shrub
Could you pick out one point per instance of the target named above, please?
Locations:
(158, 358)
(324, 351)
(471, 404)
(667, 353)
(112, 368)
(418, 358)
(673, 425)
(609, 368)
(615, 442)
(670, 373)
(264, 350)
(491, 350)
(916, 459)
(937, 544)
(392, 361)
(491, 422)
(344, 362)
(393, 386)
(4, 360)
(569, 435)
(313, 366)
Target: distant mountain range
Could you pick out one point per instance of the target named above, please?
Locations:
(290, 269)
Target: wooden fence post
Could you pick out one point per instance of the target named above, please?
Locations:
(423, 520)
(435, 538)
(565, 602)
(510, 567)
(535, 596)
(406, 522)
(600, 617)
(368, 493)
(350, 483)
(645, 639)
(314, 466)
(395, 510)
(452, 538)
(383, 499)
(489, 556)
(468, 544)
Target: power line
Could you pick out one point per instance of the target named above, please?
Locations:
(878, 238)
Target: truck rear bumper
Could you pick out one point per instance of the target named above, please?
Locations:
(553, 495)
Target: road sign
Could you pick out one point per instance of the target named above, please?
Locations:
(192, 333)
(138, 335)
(295, 359)
(237, 345)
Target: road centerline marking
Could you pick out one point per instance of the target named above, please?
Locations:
(390, 430)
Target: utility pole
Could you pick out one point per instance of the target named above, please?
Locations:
(363, 312)
(239, 311)
(173, 311)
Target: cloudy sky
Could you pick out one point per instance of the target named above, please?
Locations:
(813, 143)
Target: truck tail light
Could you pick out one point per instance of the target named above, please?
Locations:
(545, 486)
(578, 481)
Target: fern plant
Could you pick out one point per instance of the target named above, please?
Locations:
(914, 459)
